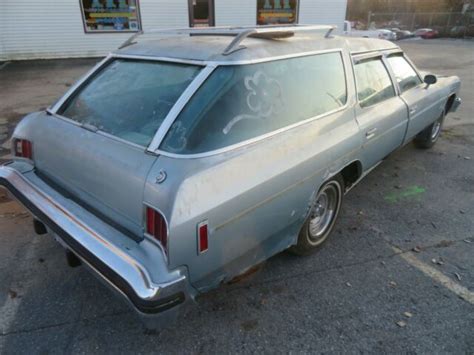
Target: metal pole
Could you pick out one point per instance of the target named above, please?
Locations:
(447, 24)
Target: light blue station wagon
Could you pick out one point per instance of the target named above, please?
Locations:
(188, 156)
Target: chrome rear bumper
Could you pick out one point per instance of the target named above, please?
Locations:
(138, 271)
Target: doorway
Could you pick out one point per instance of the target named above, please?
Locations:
(201, 13)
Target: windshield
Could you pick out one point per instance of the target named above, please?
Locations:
(129, 98)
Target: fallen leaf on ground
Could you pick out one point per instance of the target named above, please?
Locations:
(437, 262)
(348, 284)
(12, 294)
(401, 324)
(417, 249)
(392, 284)
(457, 276)
(408, 314)
(467, 241)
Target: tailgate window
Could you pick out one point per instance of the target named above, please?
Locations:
(129, 98)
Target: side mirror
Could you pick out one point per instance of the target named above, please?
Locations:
(430, 79)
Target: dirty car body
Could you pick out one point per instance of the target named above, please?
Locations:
(177, 164)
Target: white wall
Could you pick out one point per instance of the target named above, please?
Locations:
(235, 13)
(323, 12)
(54, 28)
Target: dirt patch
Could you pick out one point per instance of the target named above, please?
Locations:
(458, 134)
(249, 325)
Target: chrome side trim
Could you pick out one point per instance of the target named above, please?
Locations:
(159, 59)
(178, 106)
(248, 141)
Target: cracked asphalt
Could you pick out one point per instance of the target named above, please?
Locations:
(396, 276)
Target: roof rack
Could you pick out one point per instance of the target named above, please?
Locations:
(240, 33)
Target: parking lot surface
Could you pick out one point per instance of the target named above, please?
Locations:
(396, 276)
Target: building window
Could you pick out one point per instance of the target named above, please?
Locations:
(201, 13)
(110, 15)
(271, 12)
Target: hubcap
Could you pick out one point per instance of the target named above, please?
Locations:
(323, 213)
(436, 129)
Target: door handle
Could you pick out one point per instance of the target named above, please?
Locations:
(413, 110)
(370, 133)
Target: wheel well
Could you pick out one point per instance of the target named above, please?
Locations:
(351, 173)
(450, 102)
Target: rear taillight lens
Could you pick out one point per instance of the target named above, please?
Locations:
(22, 148)
(156, 227)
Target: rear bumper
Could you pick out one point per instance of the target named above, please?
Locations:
(137, 271)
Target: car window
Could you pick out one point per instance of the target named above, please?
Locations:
(130, 99)
(404, 73)
(240, 102)
(373, 82)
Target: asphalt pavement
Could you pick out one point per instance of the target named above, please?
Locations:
(396, 276)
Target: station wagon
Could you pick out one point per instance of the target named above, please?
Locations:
(186, 157)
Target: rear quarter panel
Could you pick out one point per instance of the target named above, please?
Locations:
(255, 198)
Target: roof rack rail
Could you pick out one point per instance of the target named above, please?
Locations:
(240, 33)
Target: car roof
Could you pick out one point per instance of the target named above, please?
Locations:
(210, 48)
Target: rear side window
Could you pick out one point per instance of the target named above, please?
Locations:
(240, 102)
(404, 73)
(373, 82)
(130, 99)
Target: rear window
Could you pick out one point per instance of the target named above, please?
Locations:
(240, 102)
(130, 99)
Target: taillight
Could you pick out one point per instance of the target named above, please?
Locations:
(156, 227)
(22, 148)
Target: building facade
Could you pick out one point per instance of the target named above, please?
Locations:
(31, 29)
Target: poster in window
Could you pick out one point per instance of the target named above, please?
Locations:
(270, 12)
(110, 15)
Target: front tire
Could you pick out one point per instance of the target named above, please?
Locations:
(429, 136)
(321, 218)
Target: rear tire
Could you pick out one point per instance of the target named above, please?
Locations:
(321, 218)
(429, 136)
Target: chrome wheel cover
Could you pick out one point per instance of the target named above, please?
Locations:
(324, 212)
(435, 131)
